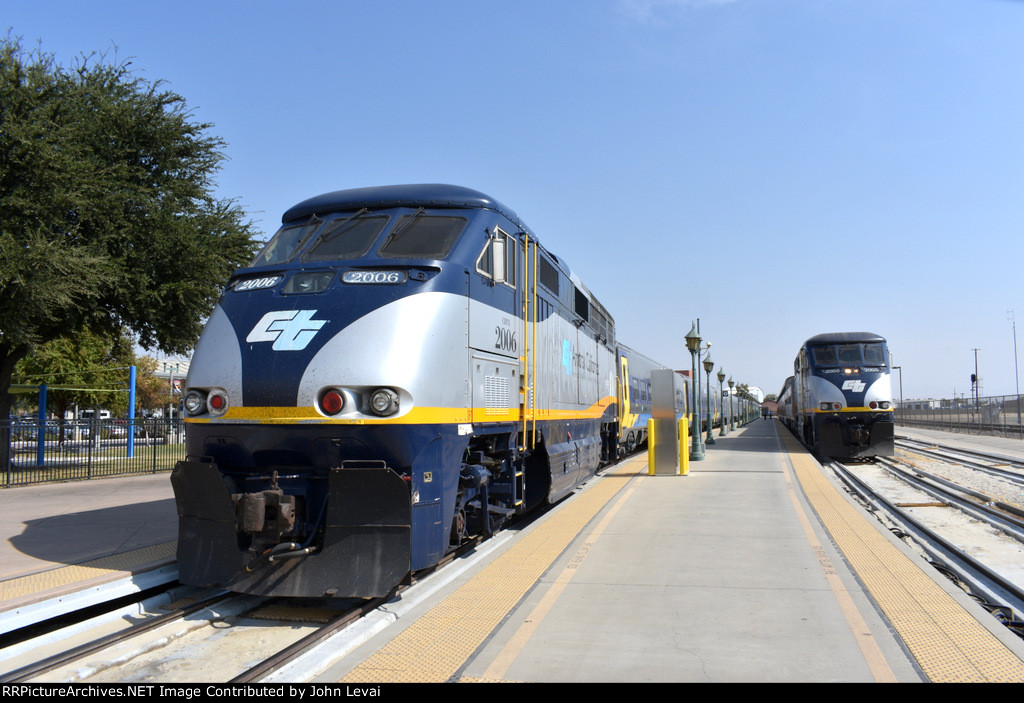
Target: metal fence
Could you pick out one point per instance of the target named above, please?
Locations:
(66, 450)
(993, 415)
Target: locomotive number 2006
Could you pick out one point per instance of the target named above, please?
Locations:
(386, 277)
(505, 339)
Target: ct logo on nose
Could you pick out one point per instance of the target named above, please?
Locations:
(289, 330)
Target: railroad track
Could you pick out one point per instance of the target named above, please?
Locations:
(198, 635)
(215, 636)
(958, 529)
(1006, 468)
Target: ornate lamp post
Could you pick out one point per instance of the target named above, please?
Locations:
(708, 366)
(722, 432)
(732, 417)
(693, 344)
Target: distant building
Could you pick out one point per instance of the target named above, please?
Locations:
(921, 404)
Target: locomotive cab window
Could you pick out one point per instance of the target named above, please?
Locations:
(421, 236)
(874, 354)
(498, 259)
(283, 245)
(824, 356)
(849, 354)
(348, 238)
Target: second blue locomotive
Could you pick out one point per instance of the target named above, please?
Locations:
(839, 399)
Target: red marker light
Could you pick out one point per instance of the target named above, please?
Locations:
(332, 402)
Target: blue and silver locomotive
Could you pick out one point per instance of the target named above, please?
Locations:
(839, 398)
(400, 368)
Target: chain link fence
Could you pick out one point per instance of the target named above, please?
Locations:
(67, 450)
(992, 415)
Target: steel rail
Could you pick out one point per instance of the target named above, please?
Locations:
(55, 661)
(990, 510)
(1011, 475)
(980, 577)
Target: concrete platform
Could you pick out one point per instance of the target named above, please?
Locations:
(725, 575)
(64, 537)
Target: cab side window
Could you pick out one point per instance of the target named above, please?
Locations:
(499, 258)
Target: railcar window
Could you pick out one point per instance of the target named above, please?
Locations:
(285, 243)
(824, 356)
(422, 236)
(849, 354)
(874, 354)
(349, 238)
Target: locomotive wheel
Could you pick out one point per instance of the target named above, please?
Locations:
(458, 527)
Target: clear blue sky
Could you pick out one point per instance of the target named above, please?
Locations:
(777, 168)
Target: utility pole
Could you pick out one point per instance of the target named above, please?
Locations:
(975, 382)
(1016, 376)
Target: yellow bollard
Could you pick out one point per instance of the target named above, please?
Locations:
(684, 446)
(650, 447)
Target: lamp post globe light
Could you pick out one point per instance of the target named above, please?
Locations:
(693, 344)
(708, 366)
(732, 418)
(721, 395)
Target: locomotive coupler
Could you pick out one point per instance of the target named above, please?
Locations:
(859, 435)
(267, 515)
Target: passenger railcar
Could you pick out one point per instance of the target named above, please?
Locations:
(399, 368)
(635, 396)
(839, 399)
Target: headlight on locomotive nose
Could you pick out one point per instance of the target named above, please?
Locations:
(195, 403)
(384, 401)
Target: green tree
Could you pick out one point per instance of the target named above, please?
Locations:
(107, 213)
(84, 369)
(151, 392)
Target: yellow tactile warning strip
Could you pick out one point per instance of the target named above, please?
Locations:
(434, 647)
(61, 577)
(949, 644)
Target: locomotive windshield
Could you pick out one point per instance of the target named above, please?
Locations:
(422, 236)
(285, 243)
(349, 238)
(824, 356)
(843, 354)
(416, 236)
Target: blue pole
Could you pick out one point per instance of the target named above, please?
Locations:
(41, 443)
(131, 411)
